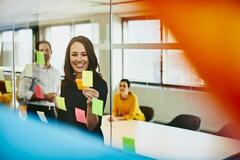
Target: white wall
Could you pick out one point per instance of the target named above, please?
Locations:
(168, 103)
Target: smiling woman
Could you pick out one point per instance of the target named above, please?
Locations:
(80, 56)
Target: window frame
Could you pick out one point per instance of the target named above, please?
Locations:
(162, 46)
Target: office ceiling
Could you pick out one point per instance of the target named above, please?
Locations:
(28, 11)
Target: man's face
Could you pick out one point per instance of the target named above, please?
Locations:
(44, 47)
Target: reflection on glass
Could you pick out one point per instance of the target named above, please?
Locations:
(90, 30)
(6, 86)
(133, 31)
(146, 66)
(178, 71)
(59, 44)
(7, 49)
(168, 36)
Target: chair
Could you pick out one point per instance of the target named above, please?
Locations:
(229, 130)
(148, 112)
(186, 121)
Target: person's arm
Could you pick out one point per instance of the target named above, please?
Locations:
(51, 96)
(114, 116)
(25, 83)
(24, 91)
(115, 106)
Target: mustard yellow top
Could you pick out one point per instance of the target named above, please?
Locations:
(128, 108)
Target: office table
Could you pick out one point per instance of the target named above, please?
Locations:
(165, 142)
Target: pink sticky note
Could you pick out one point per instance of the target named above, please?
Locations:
(80, 115)
(38, 92)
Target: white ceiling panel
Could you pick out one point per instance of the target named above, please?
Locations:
(28, 11)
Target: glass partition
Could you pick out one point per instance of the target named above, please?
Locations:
(6, 68)
(131, 102)
(35, 71)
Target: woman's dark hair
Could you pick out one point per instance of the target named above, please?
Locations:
(93, 63)
(127, 81)
(41, 42)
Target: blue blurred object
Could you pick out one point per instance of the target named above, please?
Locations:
(30, 139)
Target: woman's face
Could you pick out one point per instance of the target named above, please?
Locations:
(78, 57)
(123, 87)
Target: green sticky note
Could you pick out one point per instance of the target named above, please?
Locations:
(61, 103)
(1, 76)
(40, 58)
(8, 86)
(87, 78)
(97, 106)
(128, 144)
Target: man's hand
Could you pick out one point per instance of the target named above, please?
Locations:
(50, 97)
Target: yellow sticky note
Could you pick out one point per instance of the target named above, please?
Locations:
(40, 58)
(8, 86)
(1, 76)
(97, 106)
(87, 78)
(61, 103)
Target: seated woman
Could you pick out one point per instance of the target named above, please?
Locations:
(125, 105)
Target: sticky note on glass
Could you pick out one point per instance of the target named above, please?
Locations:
(128, 144)
(1, 76)
(38, 92)
(8, 86)
(28, 70)
(79, 84)
(61, 103)
(97, 106)
(87, 78)
(80, 115)
(42, 116)
(40, 58)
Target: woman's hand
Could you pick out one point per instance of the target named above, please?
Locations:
(90, 93)
(116, 118)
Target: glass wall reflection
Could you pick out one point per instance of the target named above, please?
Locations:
(119, 76)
